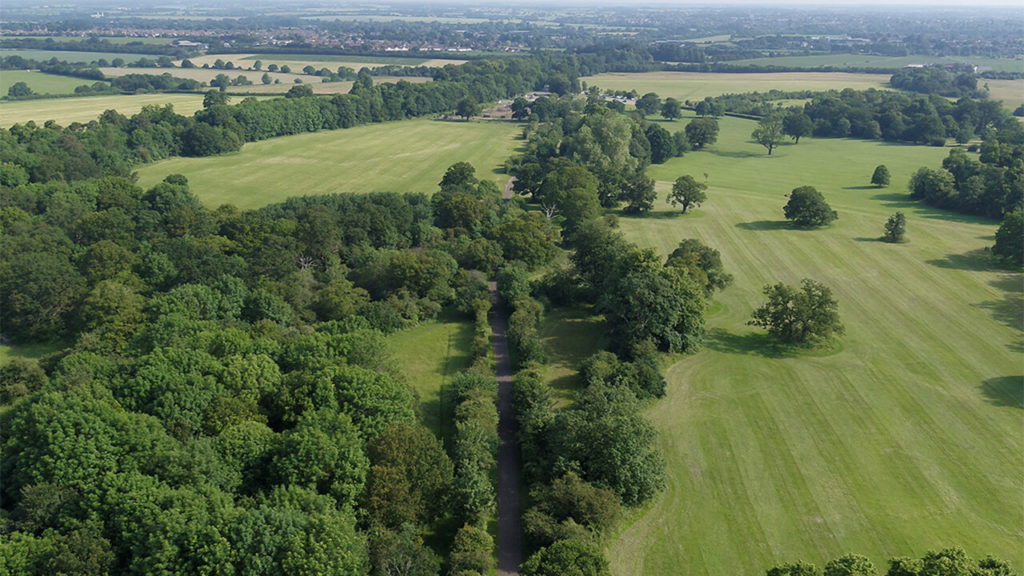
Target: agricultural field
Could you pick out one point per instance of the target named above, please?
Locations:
(430, 355)
(867, 61)
(407, 156)
(298, 61)
(151, 40)
(1011, 92)
(284, 81)
(41, 83)
(72, 56)
(698, 85)
(904, 436)
(67, 110)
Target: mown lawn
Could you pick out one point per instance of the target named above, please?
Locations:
(407, 156)
(429, 356)
(698, 85)
(905, 436)
(67, 110)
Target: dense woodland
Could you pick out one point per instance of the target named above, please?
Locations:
(226, 402)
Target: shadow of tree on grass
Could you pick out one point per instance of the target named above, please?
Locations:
(1004, 391)
(751, 343)
(758, 225)
(974, 260)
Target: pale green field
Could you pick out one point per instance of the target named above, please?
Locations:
(697, 85)
(298, 61)
(429, 356)
(27, 351)
(72, 56)
(40, 83)
(866, 61)
(407, 156)
(906, 436)
(1011, 92)
(68, 110)
(112, 39)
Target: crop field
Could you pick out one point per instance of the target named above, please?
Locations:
(698, 85)
(407, 156)
(429, 355)
(72, 56)
(904, 436)
(867, 61)
(83, 109)
(40, 83)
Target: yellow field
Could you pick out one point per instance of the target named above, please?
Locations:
(67, 110)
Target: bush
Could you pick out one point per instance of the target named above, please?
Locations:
(895, 227)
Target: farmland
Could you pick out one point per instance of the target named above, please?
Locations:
(415, 154)
(903, 437)
(868, 61)
(697, 85)
(39, 82)
(67, 110)
(72, 56)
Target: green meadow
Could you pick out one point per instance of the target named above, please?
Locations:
(83, 109)
(698, 85)
(40, 83)
(72, 55)
(429, 356)
(407, 156)
(903, 436)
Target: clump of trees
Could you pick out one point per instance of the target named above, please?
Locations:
(805, 315)
(807, 208)
(947, 562)
(1010, 238)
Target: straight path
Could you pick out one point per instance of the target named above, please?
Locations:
(510, 535)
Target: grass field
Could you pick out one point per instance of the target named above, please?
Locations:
(408, 156)
(866, 61)
(697, 85)
(905, 436)
(84, 109)
(298, 61)
(26, 351)
(1011, 92)
(429, 356)
(40, 83)
(111, 39)
(72, 56)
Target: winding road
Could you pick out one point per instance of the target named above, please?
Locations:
(510, 536)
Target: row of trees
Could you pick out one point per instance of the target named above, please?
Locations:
(947, 562)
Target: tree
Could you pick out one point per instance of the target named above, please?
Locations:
(701, 262)
(573, 557)
(895, 227)
(467, 108)
(799, 568)
(472, 551)
(687, 192)
(799, 316)
(520, 108)
(769, 132)
(19, 90)
(663, 145)
(702, 131)
(880, 178)
(266, 79)
(214, 98)
(1010, 238)
(797, 125)
(638, 192)
(648, 103)
(807, 208)
(671, 109)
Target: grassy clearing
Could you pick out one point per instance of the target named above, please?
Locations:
(409, 156)
(1011, 92)
(41, 83)
(429, 356)
(866, 61)
(8, 353)
(697, 85)
(72, 56)
(67, 110)
(569, 336)
(904, 437)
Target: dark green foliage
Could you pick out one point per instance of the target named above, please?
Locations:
(1010, 238)
(702, 131)
(527, 237)
(671, 109)
(687, 192)
(638, 193)
(604, 437)
(567, 558)
(410, 477)
(796, 125)
(880, 177)
(799, 568)
(807, 208)
(649, 103)
(642, 376)
(19, 90)
(895, 227)
(948, 562)
(20, 377)
(467, 108)
(800, 316)
(850, 565)
(702, 263)
(769, 132)
(401, 552)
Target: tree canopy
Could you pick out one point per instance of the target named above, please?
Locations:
(804, 315)
(807, 208)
